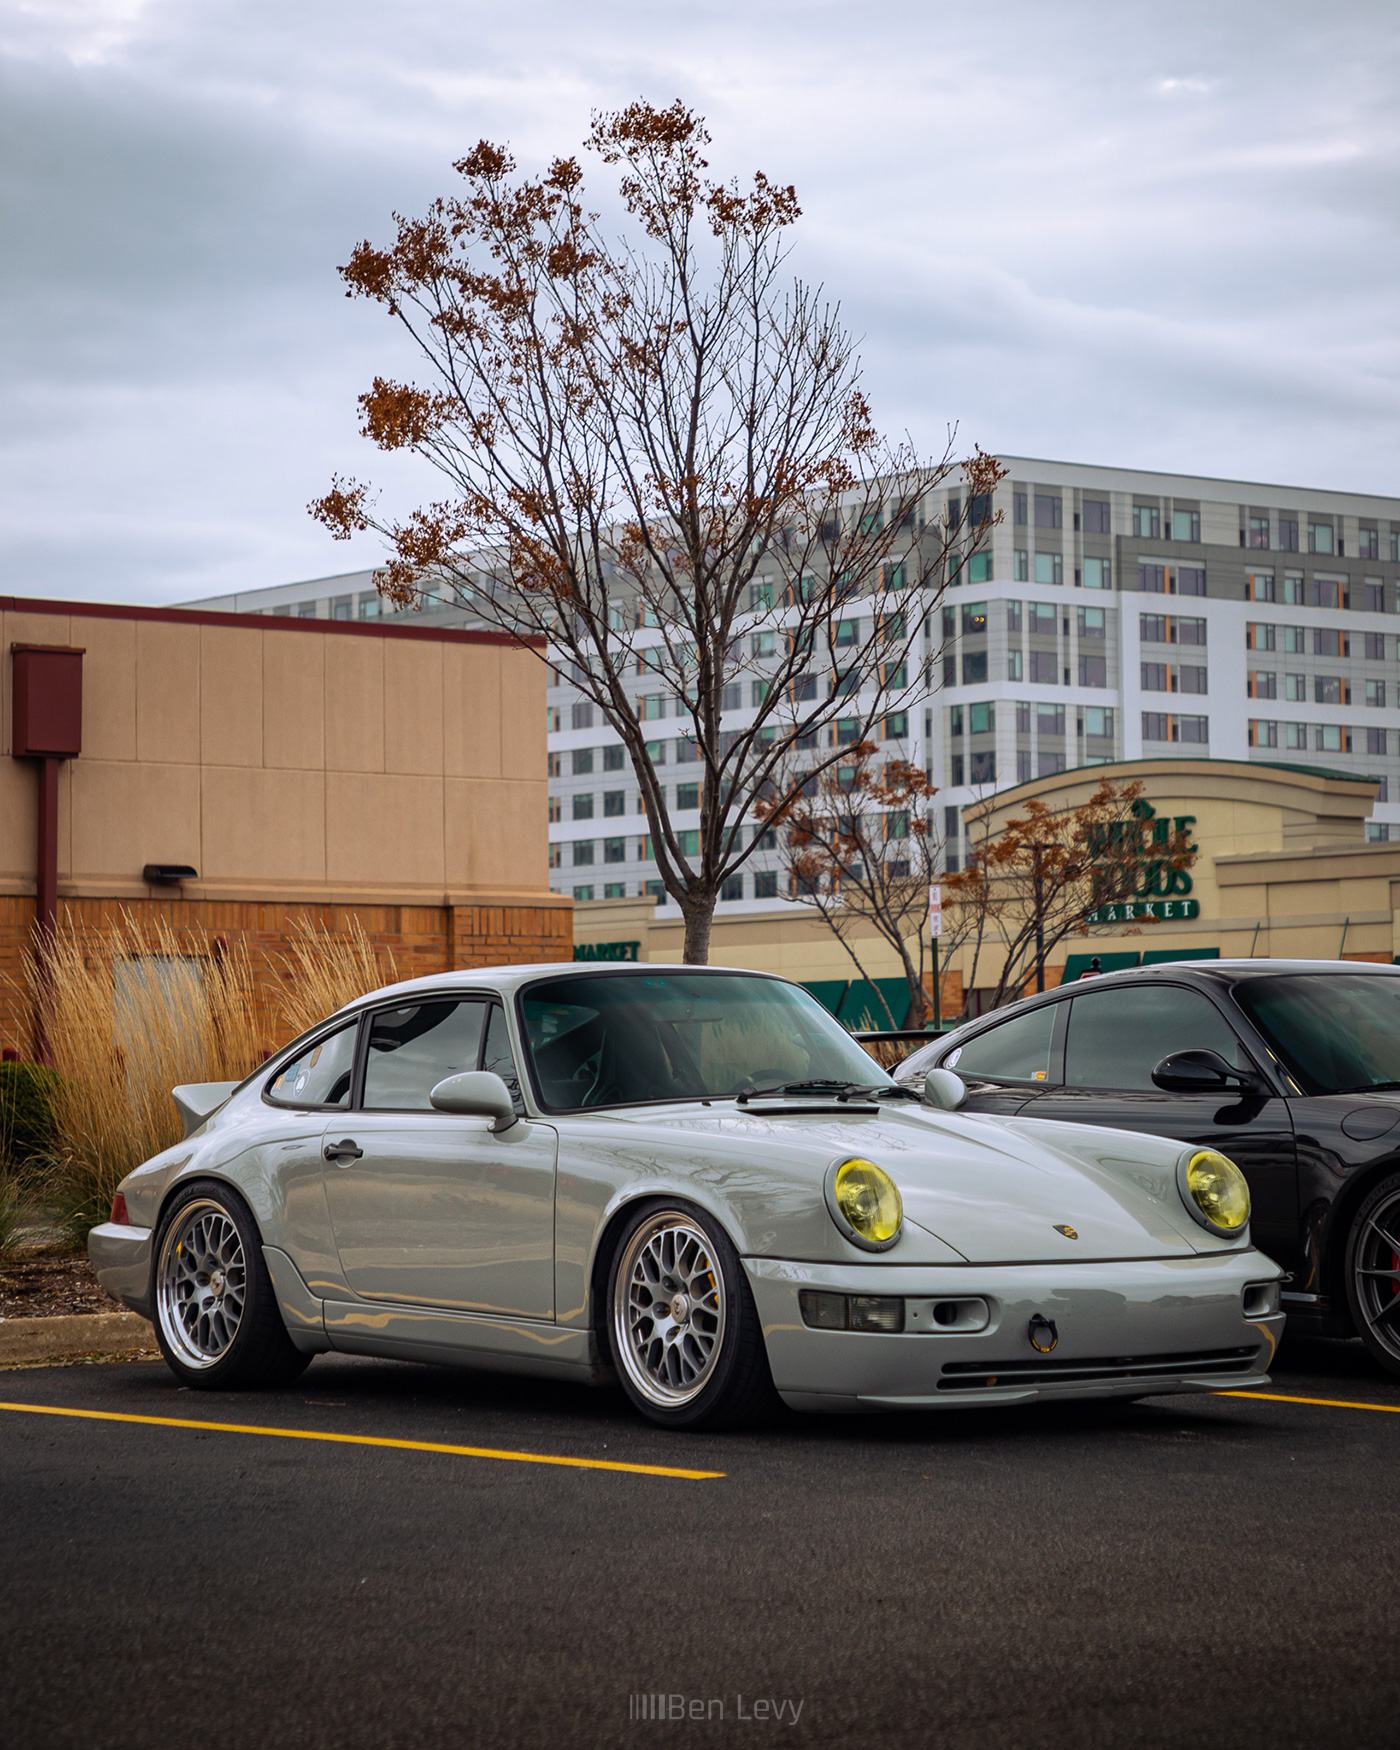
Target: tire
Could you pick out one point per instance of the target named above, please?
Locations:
(1373, 1272)
(217, 1321)
(707, 1367)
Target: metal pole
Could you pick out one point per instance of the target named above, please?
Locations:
(1254, 938)
(1342, 949)
(937, 993)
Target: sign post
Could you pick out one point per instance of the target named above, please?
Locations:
(935, 930)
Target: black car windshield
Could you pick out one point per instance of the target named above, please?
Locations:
(1336, 1032)
(628, 1038)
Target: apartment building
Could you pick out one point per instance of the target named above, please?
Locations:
(1115, 614)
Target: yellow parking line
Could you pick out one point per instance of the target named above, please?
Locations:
(1274, 1397)
(645, 1470)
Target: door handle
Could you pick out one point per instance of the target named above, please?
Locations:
(340, 1152)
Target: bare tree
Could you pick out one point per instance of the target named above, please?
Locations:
(860, 847)
(658, 456)
(1039, 879)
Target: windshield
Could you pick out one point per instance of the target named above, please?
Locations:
(1337, 1033)
(623, 1039)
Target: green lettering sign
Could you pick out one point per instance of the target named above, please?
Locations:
(606, 950)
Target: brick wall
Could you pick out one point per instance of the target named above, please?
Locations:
(422, 939)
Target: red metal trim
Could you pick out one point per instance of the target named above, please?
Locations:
(262, 622)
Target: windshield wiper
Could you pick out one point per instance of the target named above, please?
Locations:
(840, 1090)
(1371, 1088)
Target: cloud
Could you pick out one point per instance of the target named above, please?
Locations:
(1027, 243)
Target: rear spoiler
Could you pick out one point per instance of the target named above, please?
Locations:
(200, 1100)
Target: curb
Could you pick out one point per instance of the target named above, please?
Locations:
(47, 1339)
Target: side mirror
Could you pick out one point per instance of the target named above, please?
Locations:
(1199, 1072)
(476, 1093)
(944, 1090)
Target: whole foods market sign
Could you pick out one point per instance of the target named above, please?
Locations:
(606, 950)
(1141, 871)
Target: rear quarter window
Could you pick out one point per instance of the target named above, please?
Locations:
(1016, 1051)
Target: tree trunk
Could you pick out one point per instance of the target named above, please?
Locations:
(699, 920)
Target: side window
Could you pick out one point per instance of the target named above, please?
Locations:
(499, 1058)
(1016, 1051)
(1117, 1036)
(321, 1076)
(412, 1049)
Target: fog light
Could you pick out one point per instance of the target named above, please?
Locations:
(871, 1312)
(823, 1312)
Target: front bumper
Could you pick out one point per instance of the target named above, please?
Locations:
(1125, 1329)
(121, 1260)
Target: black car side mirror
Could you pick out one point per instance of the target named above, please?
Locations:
(1200, 1072)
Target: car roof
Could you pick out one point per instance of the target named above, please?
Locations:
(506, 980)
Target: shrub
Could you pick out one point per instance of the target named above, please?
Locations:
(26, 1115)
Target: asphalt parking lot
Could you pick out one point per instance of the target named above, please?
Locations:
(1185, 1571)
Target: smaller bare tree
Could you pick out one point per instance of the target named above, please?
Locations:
(1041, 876)
(859, 845)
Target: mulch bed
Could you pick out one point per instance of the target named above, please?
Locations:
(48, 1281)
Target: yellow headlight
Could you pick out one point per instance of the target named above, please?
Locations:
(869, 1199)
(1218, 1189)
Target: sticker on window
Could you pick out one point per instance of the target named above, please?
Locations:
(951, 1061)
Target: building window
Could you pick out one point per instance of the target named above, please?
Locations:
(1186, 629)
(1370, 544)
(1326, 593)
(956, 770)
(614, 850)
(1377, 832)
(984, 768)
(1049, 720)
(687, 796)
(615, 890)
(1021, 565)
(1147, 522)
(653, 707)
(1098, 721)
(897, 726)
(1372, 596)
(1288, 533)
(554, 765)
(687, 752)
(556, 856)
(656, 752)
(1331, 738)
(1375, 646)
(765, 884)
(1098, 574)
(1018, 507)
(979, 569)
(1154, 679)
(556, 810)
(1096, 517)
(1191, 678)
(1190, 580)
(581, 761)
(981, 718)
(1263, 684)
(614, 757)
(955, 720)
(1321, 538)
(306, 610)
(1092, 622)
(1259, 531)
(582, 893)
(1048, 764)
(583, 852)
(343, 607)
(1329, 689)
(1153, 579)
(1023, 766)
(1375, 694)
(614, 803)
(1259, 586)
(655, 890)
(581, 716)
(1377, 741)
(1048, 511)
(583, 805)
(1050, 568)
(1259, 635)
(1186, 525)
(1295, 736)
(1093, 671)
(1195, 729)
(1013, 665)
(974, 668)
(1262, 733)
(1295, 688)
(847, 731)
(1044, 668)
(732, 888)
(1042, 619)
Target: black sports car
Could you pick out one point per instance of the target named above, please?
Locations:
(1290, 1067)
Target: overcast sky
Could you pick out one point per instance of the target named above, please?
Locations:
(1157, 234)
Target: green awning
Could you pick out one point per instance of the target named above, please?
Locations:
(863, 1012)
(1079, 963)
(829, 992)
(1163, 956)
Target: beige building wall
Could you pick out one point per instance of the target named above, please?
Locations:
(287, 759)
(1283, 871)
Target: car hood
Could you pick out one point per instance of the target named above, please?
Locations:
(992, 1190)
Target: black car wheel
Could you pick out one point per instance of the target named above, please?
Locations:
(217, 1321)
(683, 1327)
(1373, 1272)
